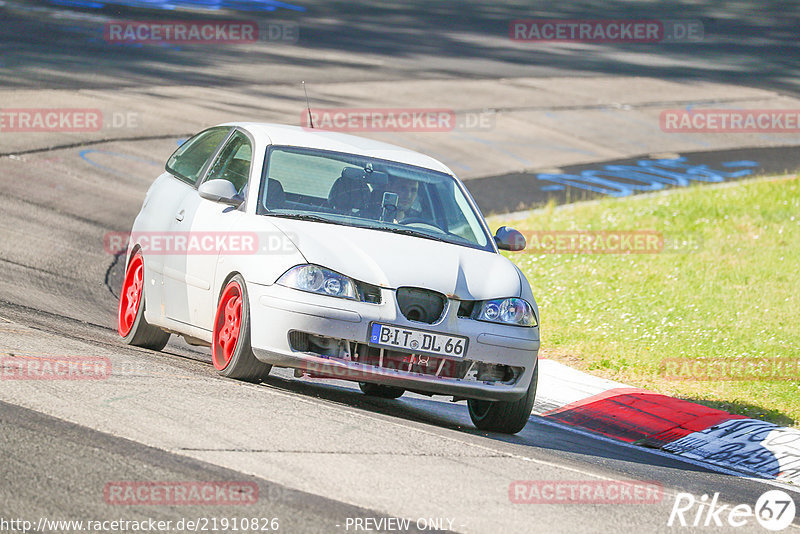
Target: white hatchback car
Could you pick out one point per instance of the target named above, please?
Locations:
(338, 256)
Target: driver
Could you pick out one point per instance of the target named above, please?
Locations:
(406, 195)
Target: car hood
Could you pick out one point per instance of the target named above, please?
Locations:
(393, 260)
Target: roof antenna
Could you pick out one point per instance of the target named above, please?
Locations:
(308, 106)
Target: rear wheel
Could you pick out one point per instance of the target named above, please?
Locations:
(507, 417)
(384, 392)
(231, 351)
(131, 324)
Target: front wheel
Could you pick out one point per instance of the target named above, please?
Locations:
(131, 324)
(384, 392)
(231, 351)
(506, 417)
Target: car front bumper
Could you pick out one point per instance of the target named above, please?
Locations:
(275, 311)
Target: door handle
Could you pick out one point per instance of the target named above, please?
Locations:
(179, 216)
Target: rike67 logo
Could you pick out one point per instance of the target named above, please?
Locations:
(774, 510)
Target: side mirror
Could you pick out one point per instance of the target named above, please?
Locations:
(221, 191)
(509, 239)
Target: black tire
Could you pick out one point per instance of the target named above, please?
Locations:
(143, 334)
(506, 417)
(384, 392)
(243, 364)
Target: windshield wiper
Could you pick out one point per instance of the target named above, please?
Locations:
(394, 230)
(302, 217)
(406, 231)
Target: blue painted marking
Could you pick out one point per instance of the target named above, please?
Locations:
(213, 5)
(78, 3)
(645, 175)
(375, 335)
(743, 163)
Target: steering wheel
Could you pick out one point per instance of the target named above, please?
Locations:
(419, 221)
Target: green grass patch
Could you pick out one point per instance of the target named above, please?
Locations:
(724, 289)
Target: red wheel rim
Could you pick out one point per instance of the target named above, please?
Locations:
(131, 295)
(227, 326)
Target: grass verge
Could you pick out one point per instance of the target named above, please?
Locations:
(713, 317)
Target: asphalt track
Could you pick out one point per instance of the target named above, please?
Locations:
(319, 451)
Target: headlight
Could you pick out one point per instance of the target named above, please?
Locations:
(316, 279)
(506, 311)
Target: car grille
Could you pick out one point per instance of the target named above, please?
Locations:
(340, 349)
(412, 363)
(421, 305)
(298, 340)
(465, 308)
(369, 293)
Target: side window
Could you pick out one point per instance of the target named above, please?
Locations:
(233, 161)
(187, 162)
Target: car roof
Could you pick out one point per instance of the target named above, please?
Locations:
(281, 134)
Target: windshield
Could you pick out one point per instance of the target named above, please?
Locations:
(371, 193)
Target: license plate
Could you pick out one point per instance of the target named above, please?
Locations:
(417, 341)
